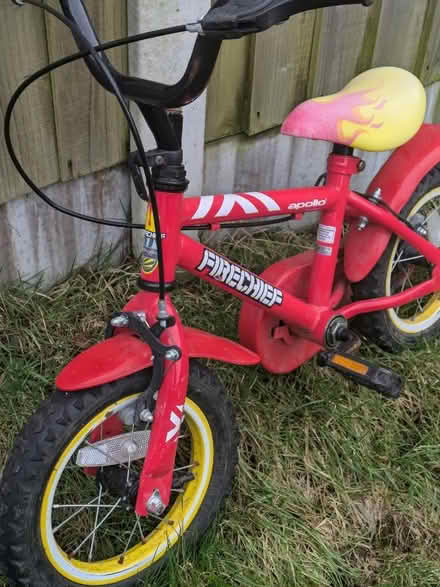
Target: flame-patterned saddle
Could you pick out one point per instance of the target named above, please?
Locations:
(379, 110)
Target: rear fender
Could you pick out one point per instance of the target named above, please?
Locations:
(125, 354)
(398, 179)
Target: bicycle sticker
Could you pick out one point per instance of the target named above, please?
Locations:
(327, 234)
(239, 279)
(150, 261)
(301, 205)
(326, 251)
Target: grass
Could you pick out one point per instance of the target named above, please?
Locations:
(336, 486)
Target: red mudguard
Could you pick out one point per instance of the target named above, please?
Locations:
(398, 179)
(125, 354)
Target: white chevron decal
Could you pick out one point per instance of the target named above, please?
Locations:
(230, 200)
(176, 422)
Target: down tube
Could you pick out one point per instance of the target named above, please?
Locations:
(245, 285)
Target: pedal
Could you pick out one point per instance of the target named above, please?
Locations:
(384, 381)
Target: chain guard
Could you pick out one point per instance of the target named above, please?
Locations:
(280, 349)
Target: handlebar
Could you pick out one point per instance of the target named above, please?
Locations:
(185, 91)
(231, 19)
(225, 19)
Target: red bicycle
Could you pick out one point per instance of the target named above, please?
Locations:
(138, 447)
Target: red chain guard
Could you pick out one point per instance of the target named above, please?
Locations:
(281, 350)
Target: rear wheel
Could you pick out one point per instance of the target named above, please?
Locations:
(72, 525)
(400, 268)
(3, 542)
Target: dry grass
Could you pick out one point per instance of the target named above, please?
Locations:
(336, 487)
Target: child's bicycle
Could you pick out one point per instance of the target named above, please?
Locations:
(139, 446)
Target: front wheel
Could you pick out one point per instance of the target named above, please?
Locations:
(72, 524)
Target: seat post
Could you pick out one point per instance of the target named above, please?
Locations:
(342, 150)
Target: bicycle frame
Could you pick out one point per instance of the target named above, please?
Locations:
(308, 318)
(335, 201)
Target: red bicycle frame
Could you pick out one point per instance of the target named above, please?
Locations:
(335, 201)
(308, 317)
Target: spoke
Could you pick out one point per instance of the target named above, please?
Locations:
(82, 507)
(127, 479)
(397, 260)
(418, 299)
(121, 560)
(92, 545)
(187, 467)
(150, 515)
(138, 522)
(419, 305)
(405, 280)
(87, 505)
(93, 532)
(179, 532)
(407, 260)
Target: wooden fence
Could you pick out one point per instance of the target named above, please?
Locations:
(65, 126)
(259, 79)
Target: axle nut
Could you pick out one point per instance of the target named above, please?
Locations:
(172, 355)
(155, 504)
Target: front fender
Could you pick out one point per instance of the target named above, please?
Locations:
(125, 354)
(398, 179)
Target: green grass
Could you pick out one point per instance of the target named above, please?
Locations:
(336, 486)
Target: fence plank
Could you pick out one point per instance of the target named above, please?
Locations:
(279, 71)
(91, 132)
(338, 47)
(399, 34)
(23, 46)
(428, 59)
(227, 90)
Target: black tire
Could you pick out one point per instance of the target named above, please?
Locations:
(385, 328)
(3, 542)
(48, 434)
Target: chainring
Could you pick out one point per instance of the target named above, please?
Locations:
(280, 348)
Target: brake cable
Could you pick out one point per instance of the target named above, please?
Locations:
(91, 50)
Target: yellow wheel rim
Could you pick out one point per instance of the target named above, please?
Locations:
(430, 312)
(175, 522)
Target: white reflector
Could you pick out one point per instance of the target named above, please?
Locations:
(115, 450)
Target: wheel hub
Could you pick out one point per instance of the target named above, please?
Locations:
(118, 483)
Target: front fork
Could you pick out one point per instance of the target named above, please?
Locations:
(157, 473)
